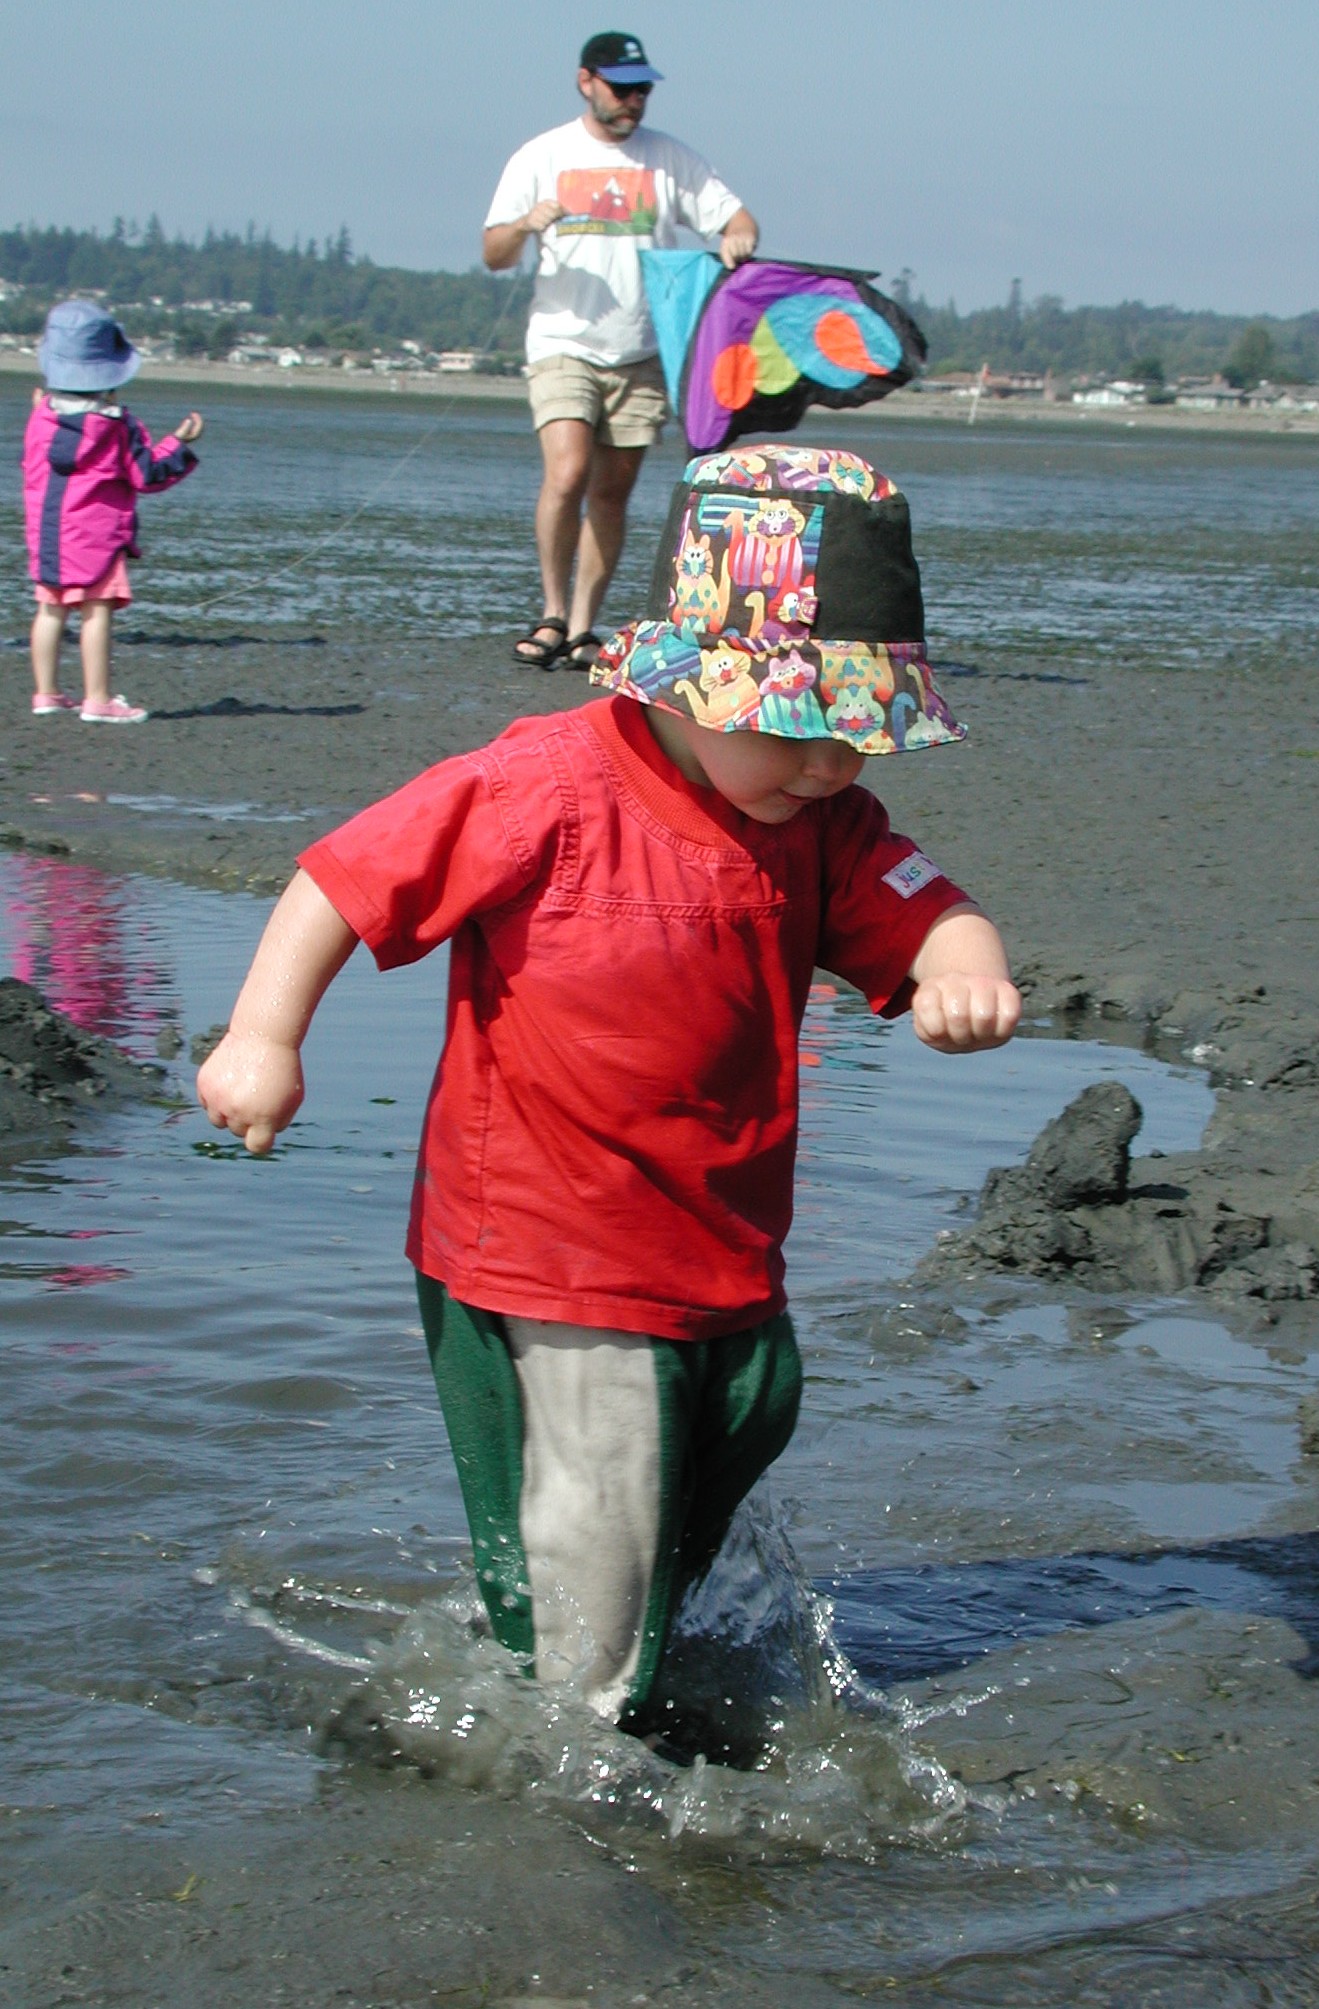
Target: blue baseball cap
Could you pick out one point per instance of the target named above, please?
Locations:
(85, 349)
(619, 59)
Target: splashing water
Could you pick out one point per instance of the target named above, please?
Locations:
(771, 1737)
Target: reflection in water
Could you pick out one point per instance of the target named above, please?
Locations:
(75, 936)
(77, 1276)
(904, 1624)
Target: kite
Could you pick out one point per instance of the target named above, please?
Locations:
(748, 350)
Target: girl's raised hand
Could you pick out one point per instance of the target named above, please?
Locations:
(191, 428)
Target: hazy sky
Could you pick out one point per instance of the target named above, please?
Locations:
(1160, 150)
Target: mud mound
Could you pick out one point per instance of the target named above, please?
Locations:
(51, 1072)
(1078, 1209)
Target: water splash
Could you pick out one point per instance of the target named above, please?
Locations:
(766, 1737)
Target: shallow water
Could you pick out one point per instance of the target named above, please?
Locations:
(407, 517)
(1015, 1635)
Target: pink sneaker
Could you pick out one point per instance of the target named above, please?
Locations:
(111, 711)
(45, 704)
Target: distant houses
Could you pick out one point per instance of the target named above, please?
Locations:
(1213, 395)
(1285, 397)
(1210, 394)
(260, 351)
(1217, 395)
(1118, 391)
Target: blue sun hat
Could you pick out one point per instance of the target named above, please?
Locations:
(85, 349)
(786, 599)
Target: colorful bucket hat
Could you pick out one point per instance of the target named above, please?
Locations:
(85, 349)
(786, 599)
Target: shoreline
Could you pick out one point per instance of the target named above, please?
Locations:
(257, 377)
(908, 405)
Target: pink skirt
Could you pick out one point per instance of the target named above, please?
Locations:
(112, 585)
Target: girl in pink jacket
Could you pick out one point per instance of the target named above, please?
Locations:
(85, 461)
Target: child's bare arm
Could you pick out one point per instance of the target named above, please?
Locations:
(252, 1083)
(965, 999)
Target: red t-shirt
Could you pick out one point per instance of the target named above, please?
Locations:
(611, 1132)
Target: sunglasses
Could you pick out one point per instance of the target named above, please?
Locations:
(627, 90)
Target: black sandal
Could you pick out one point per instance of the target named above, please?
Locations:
(574, 656)
(529, 653)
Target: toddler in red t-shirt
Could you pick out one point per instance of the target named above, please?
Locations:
(637, 894)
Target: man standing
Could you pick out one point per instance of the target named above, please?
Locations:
(595, 192)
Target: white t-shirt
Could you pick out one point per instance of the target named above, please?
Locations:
(619, 198)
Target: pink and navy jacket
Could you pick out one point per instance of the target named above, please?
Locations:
(83, 470)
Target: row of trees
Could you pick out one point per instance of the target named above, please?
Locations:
(323, 294)
(1151, 344)
(318, 293)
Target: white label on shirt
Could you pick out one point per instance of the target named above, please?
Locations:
(913, 873)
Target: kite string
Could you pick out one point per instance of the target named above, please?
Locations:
(325, 537)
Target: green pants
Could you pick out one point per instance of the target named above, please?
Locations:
(600, 1471)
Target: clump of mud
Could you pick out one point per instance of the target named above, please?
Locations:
(51, 1072)
(1078, 1209)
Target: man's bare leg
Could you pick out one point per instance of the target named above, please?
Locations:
(566, 448)
(613, 475)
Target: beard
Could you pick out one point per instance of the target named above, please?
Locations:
(620, 120)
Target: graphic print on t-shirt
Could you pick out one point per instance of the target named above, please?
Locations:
(607, 202)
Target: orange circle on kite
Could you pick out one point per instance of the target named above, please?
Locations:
(733, 376)
(839, 338)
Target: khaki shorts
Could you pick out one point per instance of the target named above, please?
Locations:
(623, 407)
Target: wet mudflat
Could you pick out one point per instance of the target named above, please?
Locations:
(1049, 1736)
(1010, 1655)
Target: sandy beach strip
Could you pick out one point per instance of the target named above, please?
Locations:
(924, 405)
